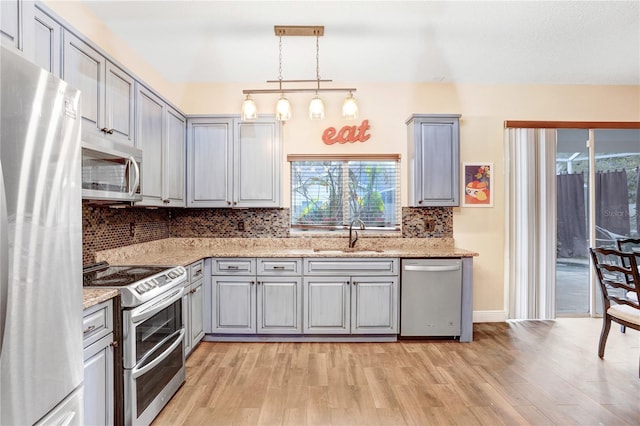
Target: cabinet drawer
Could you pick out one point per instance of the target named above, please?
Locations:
(236, 266)
(196, 270)
(342, 266)
(279, 266)
(97, 322)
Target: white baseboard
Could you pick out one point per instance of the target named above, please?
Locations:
(489, 316)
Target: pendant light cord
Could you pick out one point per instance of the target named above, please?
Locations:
(280, 61)
(318, 61)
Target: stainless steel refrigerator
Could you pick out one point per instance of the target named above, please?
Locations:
(41, 361)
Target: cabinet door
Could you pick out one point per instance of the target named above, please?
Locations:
(10, 25)
(119, 98)
(83, 68)
(197, 300)
(374, 305)
(234, 305)
(434, 154)
(210, 159)
(279, 305)
(186, 320)
(257, 163)
(47, 43)
(173, 176)
(99, 383)
(326, 305)
(150, 110)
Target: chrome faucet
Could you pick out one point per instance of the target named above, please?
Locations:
(352, 241)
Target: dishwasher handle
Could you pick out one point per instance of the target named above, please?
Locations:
(432, 268)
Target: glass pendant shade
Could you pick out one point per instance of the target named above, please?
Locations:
(249, 109)
(283, 109)
(316, 108)
(350, 108)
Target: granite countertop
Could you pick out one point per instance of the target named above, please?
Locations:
(184, 251)
(93, 296)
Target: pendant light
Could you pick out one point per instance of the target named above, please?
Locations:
(350, 108)
(249, 110)
(283, 107)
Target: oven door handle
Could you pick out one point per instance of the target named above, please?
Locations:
(139, 371)
(149, 311)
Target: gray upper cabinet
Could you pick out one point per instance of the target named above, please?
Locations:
(209, 160)
(47, 42)
(15, 24)
(174, 173)
(160, 134)
(232, 163)
(107, 91)
(434, 160)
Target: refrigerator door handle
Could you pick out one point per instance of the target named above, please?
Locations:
(4, 257)
(134, 187)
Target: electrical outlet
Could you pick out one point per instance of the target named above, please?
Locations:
(429, 225)
(241, 225)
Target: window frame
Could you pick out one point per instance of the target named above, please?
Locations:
(346, 217)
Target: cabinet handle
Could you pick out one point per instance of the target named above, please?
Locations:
(89, 329)
(228, 203)
(232, 267)
(107, 131)
(234, 203)
(355, 283)
(110, 131)
(114, 344)
(420, 202)
(278, 267)
(166, 201)
(252, 282)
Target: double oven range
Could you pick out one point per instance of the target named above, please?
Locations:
(152, 367)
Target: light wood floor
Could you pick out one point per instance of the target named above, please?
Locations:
(533, 372)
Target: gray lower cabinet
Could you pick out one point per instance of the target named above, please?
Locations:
(192, 307)
(246, 302)
(99, 364)
(434, 160)
(351, 305)
(350, 296)
(107, 92)
(233, 163)
(160, 133)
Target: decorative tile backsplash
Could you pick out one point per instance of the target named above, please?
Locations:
(108, 228)
(230, 223)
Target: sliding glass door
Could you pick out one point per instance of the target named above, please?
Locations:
(606, 199)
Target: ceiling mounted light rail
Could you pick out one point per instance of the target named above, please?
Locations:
(316, 106)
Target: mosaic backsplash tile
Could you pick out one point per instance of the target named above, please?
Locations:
(230, 223)
(415, 220)
(107, 228)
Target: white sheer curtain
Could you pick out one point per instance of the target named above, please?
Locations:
(531, 225)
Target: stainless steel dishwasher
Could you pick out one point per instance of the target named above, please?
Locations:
(431, 297)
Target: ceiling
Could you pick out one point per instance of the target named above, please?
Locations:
(484, 42)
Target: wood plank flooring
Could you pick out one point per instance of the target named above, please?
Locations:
(515, 373)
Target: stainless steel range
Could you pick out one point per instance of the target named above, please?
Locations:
(152, 333)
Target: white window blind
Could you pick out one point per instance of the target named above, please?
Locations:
(332, 191)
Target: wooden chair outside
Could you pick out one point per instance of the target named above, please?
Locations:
(616, 282)
(629, 245)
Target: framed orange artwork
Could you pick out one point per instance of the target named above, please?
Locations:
(478, 185)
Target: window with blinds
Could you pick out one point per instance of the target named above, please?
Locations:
(332, 191)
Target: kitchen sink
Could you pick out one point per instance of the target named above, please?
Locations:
(346, 250)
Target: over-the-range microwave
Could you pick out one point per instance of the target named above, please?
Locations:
(111, 171)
